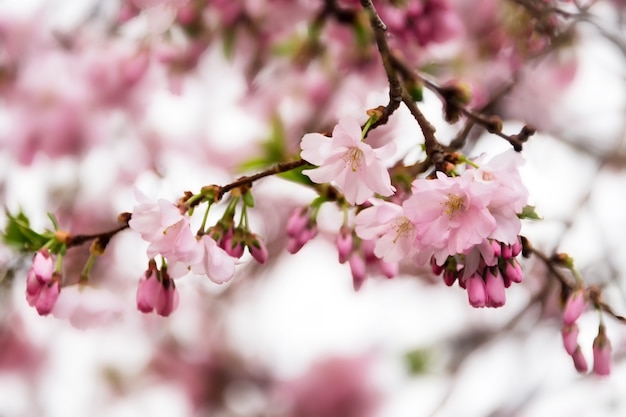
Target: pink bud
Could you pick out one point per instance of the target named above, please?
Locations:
(47, 297)
(570, 338)
(580, 363)
(309, 232)
(357, 267)
(437, 269)
(602, 353)
(476, 292)
(506, 251)
(344, 244)
(516, 248)
(167, 300)
(449, 277)
(257, 249)
(148, 289)
(293, 245)
(42, 283)
(496, 247)
(574, 307)
(513, 271)
(494, 286)
(297, 221)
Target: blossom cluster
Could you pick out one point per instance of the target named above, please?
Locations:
(212, 253)
(466, 225)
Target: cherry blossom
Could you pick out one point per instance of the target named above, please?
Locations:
(168, 231)
(451, 215)
(347, 161)
(216, 263)
(394, 233)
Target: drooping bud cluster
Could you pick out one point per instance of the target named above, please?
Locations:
(301, 227)
(234, 240)
(42, 283)
(573, 309)
(156, 291)
(211, 252)
(169, 233)
(497, 269)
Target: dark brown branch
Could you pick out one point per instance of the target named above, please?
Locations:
(247, 181)
(395, 87)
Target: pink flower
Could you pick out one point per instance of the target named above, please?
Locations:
(450, 215)
(167, 230)
(508, 194)
(347, 161)
(42, 283)
(394, 232)
(218, 265)
(574, 307)
(602, 353)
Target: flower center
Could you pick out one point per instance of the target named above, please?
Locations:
(454, 205)
(353, 157)
(402, 227)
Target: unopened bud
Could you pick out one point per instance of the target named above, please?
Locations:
(602, 353)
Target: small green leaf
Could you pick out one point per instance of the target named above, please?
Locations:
(248, 199)
(274, 148)
(416, 90)
(296, 175)
(529, 213)
(19, 235)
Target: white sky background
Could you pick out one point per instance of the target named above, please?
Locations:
(307, 309)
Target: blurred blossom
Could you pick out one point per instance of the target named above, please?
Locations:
(334, 387)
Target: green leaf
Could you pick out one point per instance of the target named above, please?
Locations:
(296, 175)
(19, 235)
(416, 91)
(529, 213)
(274, 148)
(248, 199)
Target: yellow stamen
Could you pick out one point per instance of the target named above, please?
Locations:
(454, 205)
(353, 157)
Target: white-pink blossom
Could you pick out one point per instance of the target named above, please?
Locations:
(168, 231)
(393, 231)
(508, 193)
(450, 215)
(348, 162)
(218, 265)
